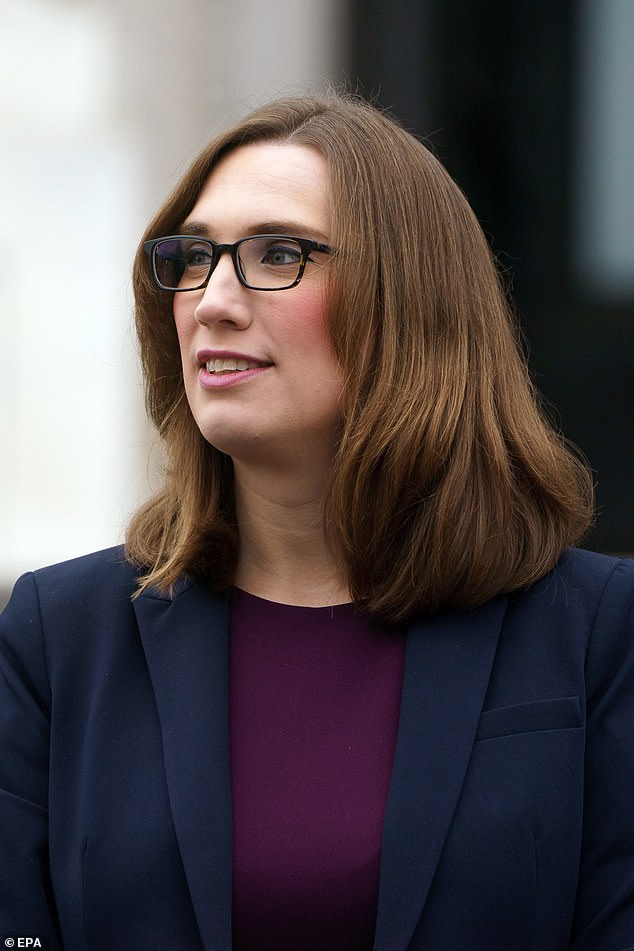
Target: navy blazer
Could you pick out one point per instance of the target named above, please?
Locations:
(510, 818)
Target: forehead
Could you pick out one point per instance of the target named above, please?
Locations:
(266, 182)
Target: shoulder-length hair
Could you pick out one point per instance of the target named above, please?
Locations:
(449, 486)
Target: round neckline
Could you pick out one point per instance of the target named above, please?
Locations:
(242, 593)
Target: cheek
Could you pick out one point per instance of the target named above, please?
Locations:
(184, 322)
(316, 307)
(182, 311)
(307, 324)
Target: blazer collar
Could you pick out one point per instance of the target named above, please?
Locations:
(448, 661)
(186, 645)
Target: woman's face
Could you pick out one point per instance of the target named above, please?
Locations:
(286, 404)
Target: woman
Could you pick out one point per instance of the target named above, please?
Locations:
(347, 686)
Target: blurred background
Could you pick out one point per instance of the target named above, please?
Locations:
(105, 102)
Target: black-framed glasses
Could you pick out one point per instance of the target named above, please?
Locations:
(262, 262)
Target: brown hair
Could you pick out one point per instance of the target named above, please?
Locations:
(449, 486)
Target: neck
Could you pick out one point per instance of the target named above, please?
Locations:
(284, 554)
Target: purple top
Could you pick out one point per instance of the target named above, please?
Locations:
(314, 706)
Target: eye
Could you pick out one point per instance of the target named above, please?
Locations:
(196, 256)
(281, 254)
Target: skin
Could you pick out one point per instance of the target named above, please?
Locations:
(279, 421)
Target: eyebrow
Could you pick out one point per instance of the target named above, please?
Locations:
(290, 228)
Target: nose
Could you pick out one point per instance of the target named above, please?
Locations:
(224, 300)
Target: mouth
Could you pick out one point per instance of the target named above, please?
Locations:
(218, 367)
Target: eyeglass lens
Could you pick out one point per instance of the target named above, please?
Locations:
(265, 261)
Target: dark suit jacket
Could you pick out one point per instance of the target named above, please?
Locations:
(510, 818)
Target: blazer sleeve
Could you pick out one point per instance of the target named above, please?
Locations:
(26, 902)
(604, 915)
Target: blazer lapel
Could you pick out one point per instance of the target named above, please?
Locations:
(185, 640)
(448, 663)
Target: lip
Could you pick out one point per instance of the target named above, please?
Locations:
(209, 381)
(203, 355)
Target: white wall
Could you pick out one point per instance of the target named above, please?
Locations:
(103, 104)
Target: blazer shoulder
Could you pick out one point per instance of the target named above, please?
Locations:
(589, 576)
(583, 593)
(592, 564)
(108, 570)
(95, 581)
(55, 606)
